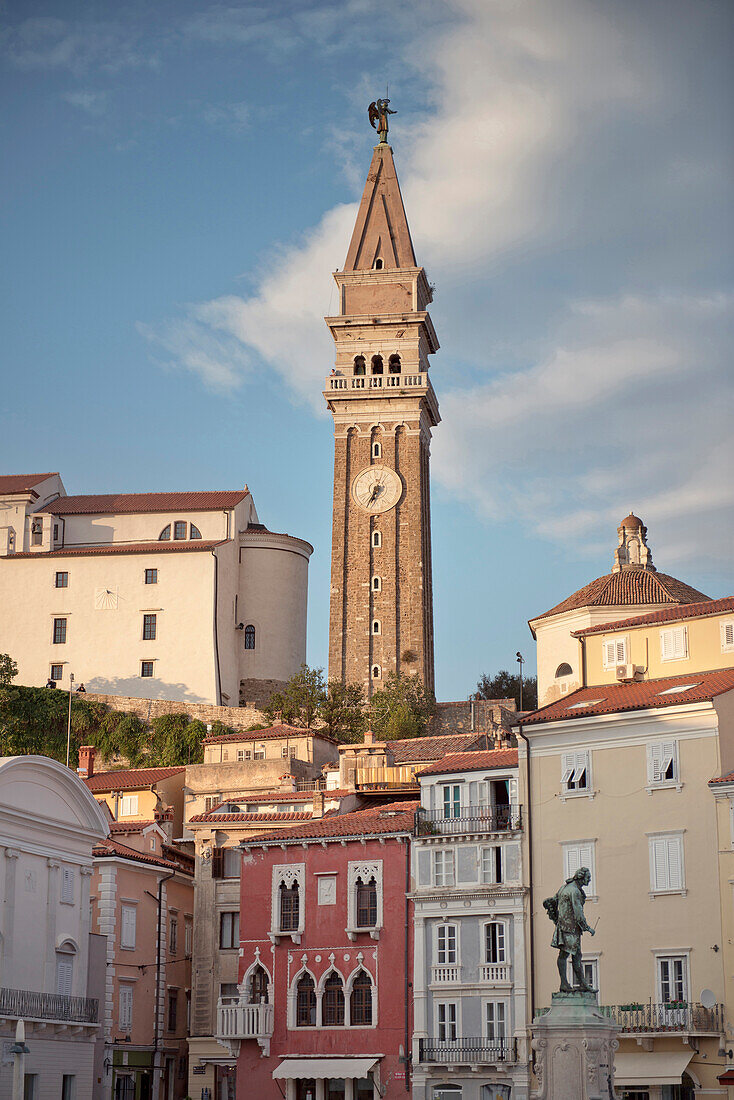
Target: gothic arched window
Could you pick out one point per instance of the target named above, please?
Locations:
(289, 907)
(258, 986)
(332, 1005)
(393, 364)
(377, 364)
(359, 364)
(360, 1002)
(249, 636)
(366, 903)
(305, 1002)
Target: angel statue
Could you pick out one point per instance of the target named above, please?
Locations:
(378, 112)
(566, 910)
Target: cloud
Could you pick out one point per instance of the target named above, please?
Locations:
(50, 43)
(195, 345)
(234, 117)
(92, 103)
(568, 192)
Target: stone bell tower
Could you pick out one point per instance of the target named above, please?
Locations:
(384, 408)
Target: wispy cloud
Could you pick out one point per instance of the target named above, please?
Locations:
(234, 117)
(92, 103)
(78, 46)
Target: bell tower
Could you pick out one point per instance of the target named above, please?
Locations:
(384, 407)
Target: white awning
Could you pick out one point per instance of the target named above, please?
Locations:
(650, 1068)
(290, 1069)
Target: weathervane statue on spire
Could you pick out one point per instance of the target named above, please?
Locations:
(377, 113)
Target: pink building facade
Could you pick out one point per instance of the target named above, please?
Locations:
(326, 943)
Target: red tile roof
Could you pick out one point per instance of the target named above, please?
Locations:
(722, 779)
(129, 778)
(109, 848)
(418, 749)
(473, 762)
(21, 483)
(129, 826)
(300, 815)
(397, 817)
(121, 548)
(280, 731)
(105, 503)
(630, 587)
(664, 615)
(614, 698)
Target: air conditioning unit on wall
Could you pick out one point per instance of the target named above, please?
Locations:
(625, 673)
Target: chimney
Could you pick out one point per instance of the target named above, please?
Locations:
(318, 804)
(369, 737)
(287, 783)
(164, 818)
(86, 761)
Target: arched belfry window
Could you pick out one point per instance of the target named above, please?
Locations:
(563, 670)
(332, 1005)
(393, 364)
(376, 672)
(306, 1002)
(289, 907)
(377, 364)
(249, 636)
(376, 449)
(378, 264)
(360, 1001)
(258, 986)
(359, 364)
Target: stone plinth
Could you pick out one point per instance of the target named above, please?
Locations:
(574, 1046)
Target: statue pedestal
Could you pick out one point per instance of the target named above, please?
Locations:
(574, 1046)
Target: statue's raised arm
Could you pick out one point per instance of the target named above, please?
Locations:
(566, 910)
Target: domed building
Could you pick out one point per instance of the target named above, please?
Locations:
(634, 586)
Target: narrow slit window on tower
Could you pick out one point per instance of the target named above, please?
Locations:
(376, 626)
(377, 584)
(376, 450)
(376, 672)
(377, 364)
(378, 264)
(393, 364)
(359, 364)
(377, 539)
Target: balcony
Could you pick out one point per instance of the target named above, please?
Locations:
(496, 973)
(377, 381)
(385, 778)
(678, 1016)
(445, 975)
(54, 1009)
(473, 819)
(467, 1051)
(237, 1021)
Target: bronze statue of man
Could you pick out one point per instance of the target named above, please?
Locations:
(566, 910)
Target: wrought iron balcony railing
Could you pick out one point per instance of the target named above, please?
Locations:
(30, 1005)
(675, 1016)
(471, 819)
(462, 1051)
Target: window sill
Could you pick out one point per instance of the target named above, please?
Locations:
(667, 893)
(590, 794)
(127, 947)
(668, 785)
(276, 937)
(374, 933)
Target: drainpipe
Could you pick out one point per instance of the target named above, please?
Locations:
(157, 1068)
(407, 1046)
(531, 937)
(216, 630)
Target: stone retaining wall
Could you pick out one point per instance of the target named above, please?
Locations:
(239, 718)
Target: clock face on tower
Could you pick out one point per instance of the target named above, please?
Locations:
(377, 489)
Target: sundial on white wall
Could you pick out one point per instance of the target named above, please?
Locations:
(105, 599)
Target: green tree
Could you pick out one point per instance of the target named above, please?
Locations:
(299, 702)
(506, 685)
(8, 669)
(343, 711)
(401, 708)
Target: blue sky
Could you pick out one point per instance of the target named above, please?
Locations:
(178, 183)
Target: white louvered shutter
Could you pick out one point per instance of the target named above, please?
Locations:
(620, 651)
(64, 974)
(727, 635)
(654, 763)
(128, 929)
(675, 863)
(659, 864)
(568, 765)
(610, 653)
(126, 1008)
(67, 884)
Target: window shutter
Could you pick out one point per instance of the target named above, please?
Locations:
(654, 763)
(511, 862)
(513, 792)
(64, 974)
(568, 764)
(658, 864)
(572, 859)
(126, 1008)
(473, 797)
(501, 956)
(218, 863)
(727, 635)
(467, 864)
(674, 847)
(586, 859)
(128, 926)
(67, 884)
(620, 651)
(668, 757)
(610, 650)
(424, 868)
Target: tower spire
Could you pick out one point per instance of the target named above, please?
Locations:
(381, 231)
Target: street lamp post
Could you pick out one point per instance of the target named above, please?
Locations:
(68, 723)
(521, 661)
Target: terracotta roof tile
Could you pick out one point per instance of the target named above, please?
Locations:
(215, 817)
(129, 778)
(417, 749)
(664, 615)
(629, 587)
(129, 826)
(105, 503)
(267, 734)
(109, 847)
(121, 548)
(615, 698)
(397, 817)
(21, 483)
(472, 762)
(722, 779)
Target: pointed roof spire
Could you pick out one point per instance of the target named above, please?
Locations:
(381, 231)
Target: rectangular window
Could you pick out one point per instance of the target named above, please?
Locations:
(674, 644)
(492, 870)
(446, 944)
(580, 854)
(452, 800)
(366, 904)
(67, 885)
(231, 863)
(172, 1008)
(126, 1008)
(173, 936)
(151, 576)
(57, 672)
(496, 1020)
(443, 868)
(149, 627)
(495, 942)
(128, 925)
(146, 668)
(259, 754)
(244, 754)
(615, 652)
(229, 930)
(211, 801)
(662, 764)
(575, 772)
(68, 1087)
(30, 1086)
(128, 805)
(62, 580)
(188, 937)
(179, 529)
(673, 979)
(59, 631)
(288, 752)
(727, 637)
(666, 863)
(446, 1018)
(590, 968)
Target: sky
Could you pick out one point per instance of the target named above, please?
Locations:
(179, 181)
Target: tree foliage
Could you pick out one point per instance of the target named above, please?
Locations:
(343, 711)
(401, 708)
(8, 669)
(506, 685)
(308, 701)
